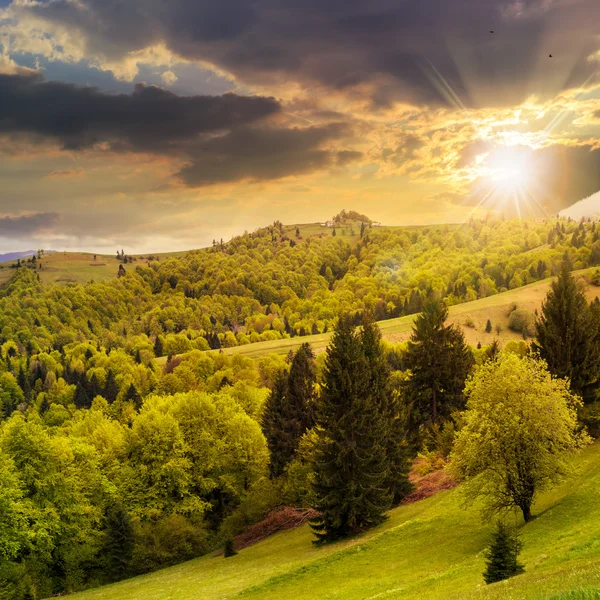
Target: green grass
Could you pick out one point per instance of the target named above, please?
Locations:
(430, 550)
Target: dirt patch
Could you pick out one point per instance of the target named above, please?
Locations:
(430, 484)
(277, 519)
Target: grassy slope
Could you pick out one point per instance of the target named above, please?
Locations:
(479, 311)
(430, 550)
(77, 267)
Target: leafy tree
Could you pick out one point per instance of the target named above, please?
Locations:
(118, 549)
(566, 336)
(440, 362)
(519, 428)
(502, 555)
(351, 469)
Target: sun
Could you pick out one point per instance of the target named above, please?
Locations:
(508, 170)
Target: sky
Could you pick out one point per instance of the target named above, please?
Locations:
(156, 125)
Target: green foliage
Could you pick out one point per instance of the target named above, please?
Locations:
(351, 470)
(519, 428)
(229, 549)
(440, 362)
(119, 542)
(522, 321)
(567, 336)
(502, 555)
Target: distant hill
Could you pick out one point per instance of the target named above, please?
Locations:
(25, 254)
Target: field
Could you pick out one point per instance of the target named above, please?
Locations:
(429, 550)
(470, 316)
(77, 267)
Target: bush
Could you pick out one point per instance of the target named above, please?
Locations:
(470, 323)
(595, 278)
(522, 321)
(229, 549)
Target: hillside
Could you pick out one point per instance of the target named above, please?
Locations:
(471, 317)
(429, 550)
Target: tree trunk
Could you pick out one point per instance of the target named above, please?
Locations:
(526, 512)
(433, 406)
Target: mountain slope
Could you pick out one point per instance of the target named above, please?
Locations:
(429, 550)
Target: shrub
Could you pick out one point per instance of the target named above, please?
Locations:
(502, 555)
(522, 321)
(229, 549)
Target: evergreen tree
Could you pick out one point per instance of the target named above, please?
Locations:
(488, 326)
(82, 400)
(502, 556)
(229, 549)
(133, 395)
(567, 336)
(440, 362)
(24, 384)
(94, 388)
(389, 406)
(111, 389)
(351, 467)
(44, 406)
(158, 346)
(138, 357)
(119, 542)
(288, 412)
(493, 350)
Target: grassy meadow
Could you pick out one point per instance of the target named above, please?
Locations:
(429, 550)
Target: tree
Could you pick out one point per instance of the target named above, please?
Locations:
(133, 396)
(111, 388)
(24, 384)
(351, 467)
(119, 542)
(488, 326)
(82, 399)
(288, 412)
(566, 337)
(158, 347)
(518, 431)
(229, 549)
(387, 402)
(440, 362)
(502, 555)
(297, 232)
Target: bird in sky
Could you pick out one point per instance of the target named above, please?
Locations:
(491, 31)
(550, 56)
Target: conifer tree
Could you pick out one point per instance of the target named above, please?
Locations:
(351, 468)
(567, 336)
(133, 396)
(94, 387)
(488, 326)
(502, 555)
(158, 347)
(24, 384)
(111, 389)
(229, 549)
(119, 542)
(289, 409)
(440, 362)
(82, 400)
(388, 404)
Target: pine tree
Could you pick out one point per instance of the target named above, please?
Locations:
(138, 357)
(502, 556)
(82, 400)
(288, 412)
(119, 542)
(44, 406)
(111, 389)
(567, 336)
(493, 350)
(488, 326)
(351, 468)
(24, 384)
(388, 404)
(229, 549)
(133, 396)
(94, 388)
(158, 347)
(440, 362)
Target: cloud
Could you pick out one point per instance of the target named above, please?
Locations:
(149, 120)
(259, 154)
(27, 225)
(588, 207)
(65, 174)
(385, 49)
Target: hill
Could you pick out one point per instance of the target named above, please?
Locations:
(16, 255)
(429, 550)
(471, 317)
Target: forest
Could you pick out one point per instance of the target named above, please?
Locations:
(114, 464)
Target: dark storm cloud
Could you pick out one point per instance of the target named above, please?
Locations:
(258, 154)
(391, 44)
(149, 120)
(15, 227)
